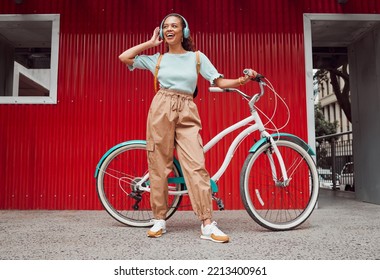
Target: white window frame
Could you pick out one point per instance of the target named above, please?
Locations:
(53, 79)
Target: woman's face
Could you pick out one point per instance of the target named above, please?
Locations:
(172, 30)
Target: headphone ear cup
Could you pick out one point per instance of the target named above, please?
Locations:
(186, 32)
(161, 33)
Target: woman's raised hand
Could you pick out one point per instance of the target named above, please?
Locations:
(156, 40)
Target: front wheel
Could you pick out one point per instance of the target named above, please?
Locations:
(270, 204)
(119, 191)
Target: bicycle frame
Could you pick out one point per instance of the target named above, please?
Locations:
(257, 125)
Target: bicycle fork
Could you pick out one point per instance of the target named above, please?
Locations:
(273, 149)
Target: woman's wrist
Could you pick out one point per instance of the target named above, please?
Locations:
(149, 44)
(243, 80)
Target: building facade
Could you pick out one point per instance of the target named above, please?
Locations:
(50, 146)
(331, 108)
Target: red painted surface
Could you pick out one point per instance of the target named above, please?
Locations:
(48, 153)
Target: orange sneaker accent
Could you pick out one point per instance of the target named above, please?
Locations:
(221, 239)
(155, 233)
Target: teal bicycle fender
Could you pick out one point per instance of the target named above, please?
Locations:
(113, 149)
(181, 180)
(285, 136)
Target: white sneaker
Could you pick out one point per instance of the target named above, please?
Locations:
(158, 228)
(211, 232)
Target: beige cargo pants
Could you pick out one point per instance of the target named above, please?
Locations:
(173, 122)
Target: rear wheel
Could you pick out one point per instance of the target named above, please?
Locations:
(119, 191)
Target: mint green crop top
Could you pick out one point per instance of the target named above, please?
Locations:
(178, 71)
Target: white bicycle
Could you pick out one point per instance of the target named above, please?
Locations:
(278, 182)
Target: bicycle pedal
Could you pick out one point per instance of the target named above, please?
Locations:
(219, 202)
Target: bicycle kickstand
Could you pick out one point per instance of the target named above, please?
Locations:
(219, 202)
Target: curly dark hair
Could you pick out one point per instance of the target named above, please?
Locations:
(187, 43)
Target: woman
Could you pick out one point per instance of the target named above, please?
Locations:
(173, 121)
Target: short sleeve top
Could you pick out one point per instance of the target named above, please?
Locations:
(178, 71)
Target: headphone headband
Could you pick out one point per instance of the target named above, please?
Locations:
(186, 30)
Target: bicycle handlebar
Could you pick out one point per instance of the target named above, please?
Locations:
(218, 89)
(250, 72)
(252, 100)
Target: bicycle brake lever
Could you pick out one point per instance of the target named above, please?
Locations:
(258, 78)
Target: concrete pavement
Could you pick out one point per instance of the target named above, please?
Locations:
(342, 228)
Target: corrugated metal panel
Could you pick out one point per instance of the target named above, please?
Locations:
(48, 152)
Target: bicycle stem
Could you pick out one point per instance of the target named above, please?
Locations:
(257, 96)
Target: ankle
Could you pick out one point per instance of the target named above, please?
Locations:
(206, 222)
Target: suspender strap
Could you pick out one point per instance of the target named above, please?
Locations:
(156, 85)
(156, 73)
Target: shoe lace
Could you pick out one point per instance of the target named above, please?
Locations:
(215, 230)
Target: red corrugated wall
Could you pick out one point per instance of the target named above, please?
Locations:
(48, 153)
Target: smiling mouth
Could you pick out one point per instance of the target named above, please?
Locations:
(170, 35)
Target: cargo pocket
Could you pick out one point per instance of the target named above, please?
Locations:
(150, 145)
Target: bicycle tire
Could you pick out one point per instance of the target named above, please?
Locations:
(116, 186)
(278, 207)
